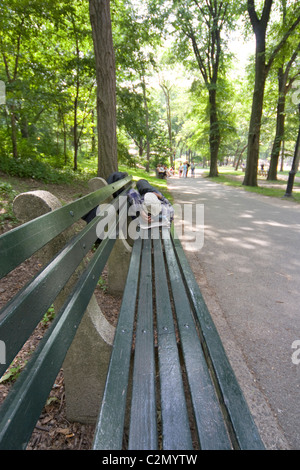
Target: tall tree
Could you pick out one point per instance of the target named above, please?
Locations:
(202, 24)
(285, 82)
(79, 67)
(135, 39)
(106, 86)
(14, 37)
(262, 68)
(38, 64)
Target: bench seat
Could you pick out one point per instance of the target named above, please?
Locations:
(169, 384)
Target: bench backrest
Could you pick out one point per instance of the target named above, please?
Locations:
(20, 243)
(21, 315)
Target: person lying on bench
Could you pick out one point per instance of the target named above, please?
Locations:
(149, 204)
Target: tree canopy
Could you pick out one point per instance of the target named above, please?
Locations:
(152, 81)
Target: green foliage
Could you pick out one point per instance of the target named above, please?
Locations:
(47, 64)
(48, 317)
(7, 195)
(139, 173)
(36, 169)
(102, 284)
(12, 374)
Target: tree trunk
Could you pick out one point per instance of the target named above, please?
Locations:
(65, 139)
(256, 112)
(147, 124)
(283, 88)
(295, 164)
(236, 164)
(14, 133)
(259, 28)
(140, 145)
(254, 129)
(282, 156)
(93, 147)
(166, 92)
(24, 128)
(75, 131)
(106, 86)
(214, 133)
(280, 118)
(261, 72)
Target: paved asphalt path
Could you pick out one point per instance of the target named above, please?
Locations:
(248, 270)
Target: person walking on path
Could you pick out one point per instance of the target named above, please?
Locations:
(192, 170)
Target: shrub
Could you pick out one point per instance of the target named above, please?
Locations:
(7, 195)
(33, 168)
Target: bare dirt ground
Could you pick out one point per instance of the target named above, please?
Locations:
(53, 431)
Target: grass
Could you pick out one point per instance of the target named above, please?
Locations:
(138, 173)
(228, 176)
(87, 168)
(90, 166)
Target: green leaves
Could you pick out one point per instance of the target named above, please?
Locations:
(12, 374)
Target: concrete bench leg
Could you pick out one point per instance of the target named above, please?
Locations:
(86, 364)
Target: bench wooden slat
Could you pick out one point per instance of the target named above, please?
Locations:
(143, 426)
(176, 432)
(20, 243)
(27, 308)
(23, 406)
(246, 433)
(209, 419)
(109, 428)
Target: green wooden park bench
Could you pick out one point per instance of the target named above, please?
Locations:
(169, 384)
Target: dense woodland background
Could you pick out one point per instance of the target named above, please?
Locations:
(213, 81)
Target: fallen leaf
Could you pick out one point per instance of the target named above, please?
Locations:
(47, 419)
(64, 431)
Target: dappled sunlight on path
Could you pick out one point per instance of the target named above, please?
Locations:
(249, 268)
